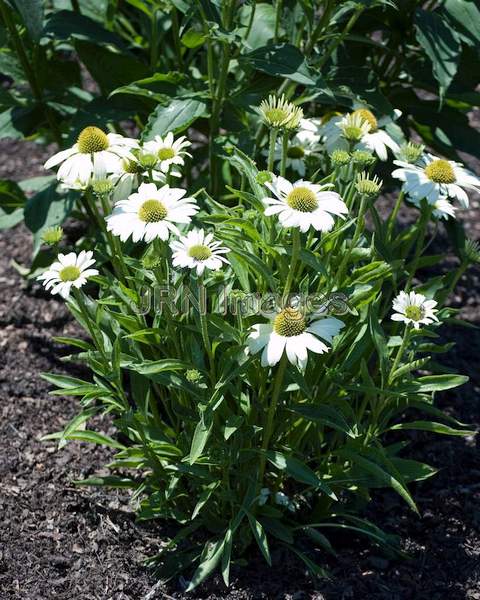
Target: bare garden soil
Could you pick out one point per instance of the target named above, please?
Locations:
(61, 541)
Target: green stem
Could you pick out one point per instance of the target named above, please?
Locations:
(419, 247)
(351, 22)
(84, 312)
(267, 434)
(176, 37)
(114, 243)
(294, 260)
(393, 216)
(359, 227)
(278, 18)
(271, 148)
(401, 350)
(205, 336)
(154, 40)
(320, 26)
(283, 163)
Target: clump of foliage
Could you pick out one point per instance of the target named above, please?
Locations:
(260, 331)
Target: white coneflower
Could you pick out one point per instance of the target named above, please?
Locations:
(367, 185)
(353, 127)
(414, 309)
(68, 270)
(290, 332)
(410, 152)
(151, 213)
(362, 128)
(304, 204)
(302, 145)
(434, 178)
(442, 208)
(197, 250)
(94, 152)
(376, 139)
(280, 113)
(169, 152)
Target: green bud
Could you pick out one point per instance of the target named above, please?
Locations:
(339, 158)
(363, 158)
(52, 235)
(411, 152)
(368, 186)
(264, 177)
(102, 187)
(193, 376)
(148, 161)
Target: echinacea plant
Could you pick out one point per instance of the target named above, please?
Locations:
(256, 355)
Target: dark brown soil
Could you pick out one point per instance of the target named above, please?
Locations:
(60, 541)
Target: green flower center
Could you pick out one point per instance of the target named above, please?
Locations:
(276, 115)
(130, 166)
(414, 312)
(302, 199)
(295, 152)
(352, 133)
(367, 116)
(166, 153)
(92, 139)
(440, 171)
(70, 273)
(289, 322)
(152, 211)
(199, 252)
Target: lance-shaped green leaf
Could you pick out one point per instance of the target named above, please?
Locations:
(176, 117)
(299, 471)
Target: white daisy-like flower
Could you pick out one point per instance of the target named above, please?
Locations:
(414, 309)
(151, 213)
(302, 145)
(94, 154)
(291, 333)
(303, 204)
(434, 178)
(371, 135)
(67, 271)
(279, 113)
(197, 250)
(169, 152)
(442, 208)
(126, 178)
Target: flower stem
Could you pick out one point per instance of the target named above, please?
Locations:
(283, 164)
(356, 236)
(205, 336)
(401, 350)
(84, 312)
(271, 148)
(277, 386)
(419, 247)
(278, 18)
(176, 37)
(393, 216)
(294, 260)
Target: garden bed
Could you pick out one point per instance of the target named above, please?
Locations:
(58, 541)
